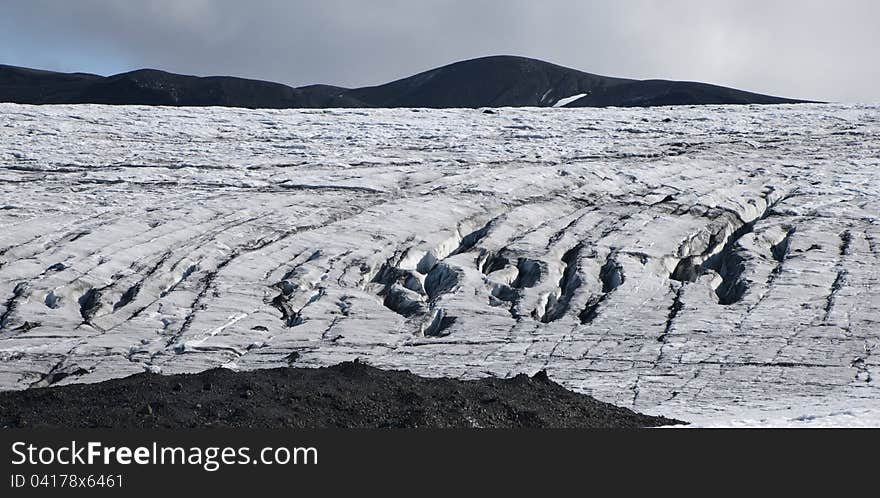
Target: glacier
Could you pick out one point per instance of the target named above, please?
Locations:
(716, 264)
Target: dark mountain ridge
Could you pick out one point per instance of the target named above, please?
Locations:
(496, 81)
(500, 81)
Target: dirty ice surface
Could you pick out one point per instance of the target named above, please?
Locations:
(715, 264)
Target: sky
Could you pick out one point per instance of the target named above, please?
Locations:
(811, 49)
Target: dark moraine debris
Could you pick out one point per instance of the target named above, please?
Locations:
(348, 395)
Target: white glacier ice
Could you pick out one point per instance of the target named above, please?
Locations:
(715, 264)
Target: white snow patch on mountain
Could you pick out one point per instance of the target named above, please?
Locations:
(568, 100)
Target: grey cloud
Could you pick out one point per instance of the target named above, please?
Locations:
(796, 48)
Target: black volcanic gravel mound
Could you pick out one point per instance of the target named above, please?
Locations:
(348, 395)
